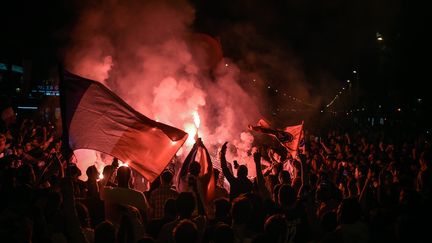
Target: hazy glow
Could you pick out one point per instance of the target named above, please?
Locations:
(191, 130)
(197, 119)
(165, 71)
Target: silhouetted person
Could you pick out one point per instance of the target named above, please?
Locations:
(160, 195)
(185, 232)
(105, 233)
(240, 184)
(91, 183)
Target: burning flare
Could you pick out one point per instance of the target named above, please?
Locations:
(192, 129)
(196, 118)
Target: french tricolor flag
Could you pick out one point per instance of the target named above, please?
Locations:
(98, 119)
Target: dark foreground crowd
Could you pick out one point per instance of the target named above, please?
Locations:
(349, 185)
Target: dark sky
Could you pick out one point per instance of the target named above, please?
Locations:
(332, 37)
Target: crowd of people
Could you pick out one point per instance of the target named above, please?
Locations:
(356, 184)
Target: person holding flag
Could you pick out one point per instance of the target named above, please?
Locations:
(199, 173)
(289, 137)
(292, 138)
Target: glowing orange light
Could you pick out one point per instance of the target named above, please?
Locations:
(196, 118)
(191, 130)
(121, 163)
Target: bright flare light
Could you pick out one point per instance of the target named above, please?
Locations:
(196, 118)
(121, 163)
(191, 130)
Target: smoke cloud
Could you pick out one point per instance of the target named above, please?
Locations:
(147, 53)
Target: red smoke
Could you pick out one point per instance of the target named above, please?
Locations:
(146, 52)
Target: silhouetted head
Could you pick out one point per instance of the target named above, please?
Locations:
(166, 177)
(194, 168)
(75, 172)
(92, 173)
(25, 175)
(223, 233)
(170, 208)
(222, 208)
(185, 232)
(275, 228)
(242, 171)
(107, 170)
(105, 233)
(284, 177)
(241, 210)
(124, 176)
(185, 203)
(287, 196)
(277, 168)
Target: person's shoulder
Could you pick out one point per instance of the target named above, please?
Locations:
(121, 190)
(134, 192)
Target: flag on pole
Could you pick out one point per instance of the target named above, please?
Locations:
(207, 185)
(96, 118)
(209, 182)
(302, 143)
(185, 166)
(289, 137)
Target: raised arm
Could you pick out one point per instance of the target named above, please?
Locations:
(184, 168)
(224, 164)
(348, 138)
(209, 171)
(302, 162)
(327, 150)
(73, 233)
(260, 178)
(368, 179)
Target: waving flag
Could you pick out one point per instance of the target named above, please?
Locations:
(289, 137)
(98, 119)
(207, 180)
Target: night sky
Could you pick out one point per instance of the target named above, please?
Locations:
(326, 38)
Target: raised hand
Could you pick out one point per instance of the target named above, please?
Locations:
(199, 142)
(224, 148)
(257, 156)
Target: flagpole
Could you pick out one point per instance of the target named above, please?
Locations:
(65, 133)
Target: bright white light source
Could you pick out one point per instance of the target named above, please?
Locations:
(196, 118)
(191, 131)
